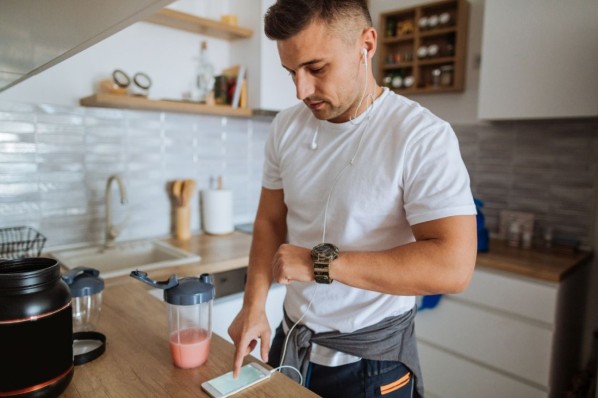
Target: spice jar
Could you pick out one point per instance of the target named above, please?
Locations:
(436, 77)
(446, 75)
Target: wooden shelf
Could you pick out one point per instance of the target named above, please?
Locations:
(437, 32)
(398, 66)
(425, 90)
(194, 24)
(397, 39)
(142, 103)
(436, 60)
(406, 36)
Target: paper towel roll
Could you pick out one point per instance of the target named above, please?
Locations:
(217, 211)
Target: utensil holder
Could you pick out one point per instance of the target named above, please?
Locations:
(182, 222)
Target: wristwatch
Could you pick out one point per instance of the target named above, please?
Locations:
(322, 255)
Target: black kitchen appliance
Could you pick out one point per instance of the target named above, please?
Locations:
(36, 331)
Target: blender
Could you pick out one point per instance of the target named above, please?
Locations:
(189, 309)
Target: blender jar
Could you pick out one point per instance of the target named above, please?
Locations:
(189, 309)
(86, 289)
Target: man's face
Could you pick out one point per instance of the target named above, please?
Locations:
(327, 71)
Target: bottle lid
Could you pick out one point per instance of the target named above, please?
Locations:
(191, 290)
(84, 281)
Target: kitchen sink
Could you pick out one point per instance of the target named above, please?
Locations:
(125, 257)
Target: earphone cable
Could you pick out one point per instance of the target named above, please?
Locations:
(286, 340)
(365, 89)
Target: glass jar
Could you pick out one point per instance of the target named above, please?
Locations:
(446, 75)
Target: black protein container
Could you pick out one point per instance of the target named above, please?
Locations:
(36, 330)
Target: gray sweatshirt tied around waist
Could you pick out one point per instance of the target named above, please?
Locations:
(392, 339)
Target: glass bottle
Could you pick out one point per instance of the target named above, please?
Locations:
(204, 76)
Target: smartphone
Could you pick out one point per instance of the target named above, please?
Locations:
(226, 385)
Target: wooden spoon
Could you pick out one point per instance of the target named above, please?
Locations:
(188, 190)
(177, 192)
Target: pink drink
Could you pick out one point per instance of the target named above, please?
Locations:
(189, 347)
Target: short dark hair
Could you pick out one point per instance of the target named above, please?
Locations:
(286, 18)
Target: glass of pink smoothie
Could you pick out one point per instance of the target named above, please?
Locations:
(189, 309)
(190, 326)
(189, 347)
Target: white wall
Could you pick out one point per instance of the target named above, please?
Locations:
(167, 55)
(270, 86)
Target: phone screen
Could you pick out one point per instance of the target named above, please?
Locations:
(226, 384)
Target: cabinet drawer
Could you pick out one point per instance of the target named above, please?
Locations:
(449, 376)
(517, 295)
(510, 344)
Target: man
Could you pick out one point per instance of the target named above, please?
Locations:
(365, 204)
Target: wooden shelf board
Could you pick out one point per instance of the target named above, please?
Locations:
(427, 90)
(437, 31)
(436, 61)
(401, 65)
(142, 103)
(192, 23)
(397, 39)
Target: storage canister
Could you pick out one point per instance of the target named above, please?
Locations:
(36, 332)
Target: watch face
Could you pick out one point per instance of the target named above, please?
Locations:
(324, 251)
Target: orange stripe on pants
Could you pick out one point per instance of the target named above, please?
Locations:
(395, 385)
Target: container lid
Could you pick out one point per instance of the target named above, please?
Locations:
(84, 281)
(28, 272)
(191, 290)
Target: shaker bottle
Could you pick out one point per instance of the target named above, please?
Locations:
(86, 290)
(189, 309)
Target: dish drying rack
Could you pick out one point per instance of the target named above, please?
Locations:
(20, 242)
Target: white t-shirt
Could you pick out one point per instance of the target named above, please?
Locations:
(408, 170)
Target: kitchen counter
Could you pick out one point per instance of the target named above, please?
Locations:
(551, 265)
(137, 360)
(221, 253)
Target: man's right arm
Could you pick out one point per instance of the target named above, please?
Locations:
(269, 232)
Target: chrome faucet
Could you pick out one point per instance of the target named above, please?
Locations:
(111, 230)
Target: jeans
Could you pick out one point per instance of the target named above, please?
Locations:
(366, 378)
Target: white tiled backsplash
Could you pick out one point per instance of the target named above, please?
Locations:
(54, 162)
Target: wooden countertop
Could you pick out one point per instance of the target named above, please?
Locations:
(553, 265)
(550, 265)
(222, 253)
(137, 360)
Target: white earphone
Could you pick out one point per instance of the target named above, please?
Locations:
(364, 53)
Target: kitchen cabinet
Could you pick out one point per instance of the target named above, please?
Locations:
(36, 36)
(507, 335)
(423, 49)
(539, 59)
